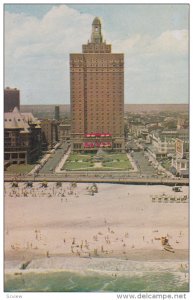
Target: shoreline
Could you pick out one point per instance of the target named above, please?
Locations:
(75, 274)
(140, 255)
(120, 265)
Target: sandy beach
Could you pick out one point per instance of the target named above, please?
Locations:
(119, 221)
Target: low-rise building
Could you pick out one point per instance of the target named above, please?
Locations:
(180, 167)
(64, 132)
(136, 129)
(180, 163)
(22, 138)
(162, 145)
(49, 133)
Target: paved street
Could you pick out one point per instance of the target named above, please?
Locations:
(143, 164)
(54, 159)
(61, 163)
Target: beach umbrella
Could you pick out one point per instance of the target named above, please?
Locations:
(73, 184)
(44, 184)
(14, 184)
(94, 188)
(29, 184)
(58, 183)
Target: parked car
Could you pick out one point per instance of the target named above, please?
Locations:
(177, 188)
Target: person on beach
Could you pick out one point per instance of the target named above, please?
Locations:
(36, 232)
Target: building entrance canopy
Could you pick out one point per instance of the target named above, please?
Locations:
(97, 134)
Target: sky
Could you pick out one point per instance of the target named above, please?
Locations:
(154, 38)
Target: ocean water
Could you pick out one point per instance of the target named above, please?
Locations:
(131, 277)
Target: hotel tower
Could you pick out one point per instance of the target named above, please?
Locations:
(97, 95)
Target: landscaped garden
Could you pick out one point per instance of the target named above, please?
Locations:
(97, 162)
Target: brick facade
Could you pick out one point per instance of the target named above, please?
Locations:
(97, 93)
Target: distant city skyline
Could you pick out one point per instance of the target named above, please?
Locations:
(154, 39)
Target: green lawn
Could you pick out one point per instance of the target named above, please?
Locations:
(17, 169)
(118, 164)
(109, 162)
(76, 165)
(119, 156)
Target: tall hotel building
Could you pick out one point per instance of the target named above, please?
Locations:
(97, 95)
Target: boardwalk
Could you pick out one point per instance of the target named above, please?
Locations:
(93, 177)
